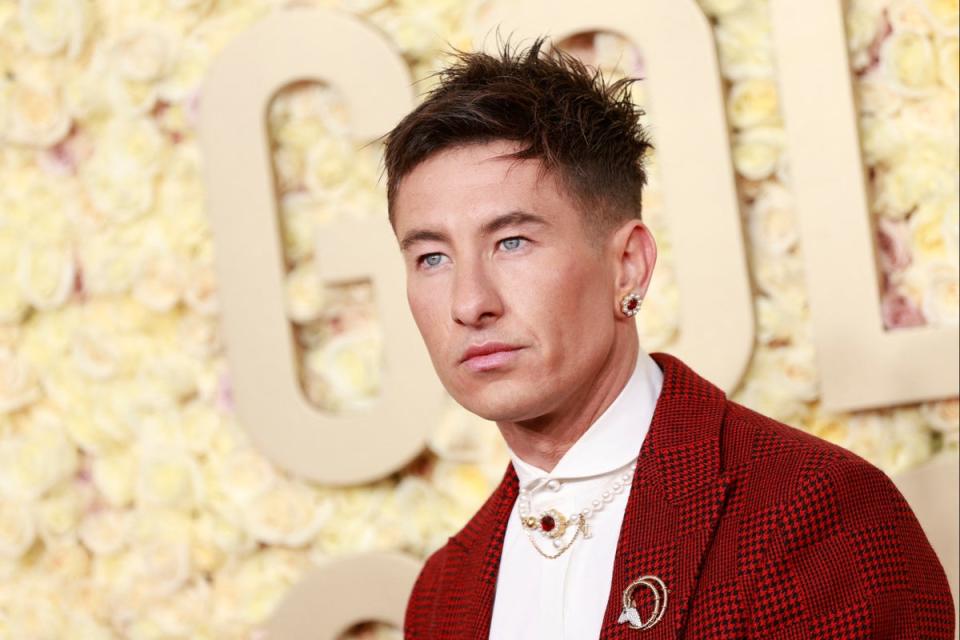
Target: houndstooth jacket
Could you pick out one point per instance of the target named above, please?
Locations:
(758, 529)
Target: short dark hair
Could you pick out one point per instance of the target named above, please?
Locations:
(585, 130)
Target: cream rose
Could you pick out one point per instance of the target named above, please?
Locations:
(105, 531)
(942, 14)
(45, 275)
(18, 383)
(773, 224)
(942, 415)
(34, 461)
(17, 528)
(463, 437)
(302, 213)
(941, 299)
(200, 290)
(906, 15)
(754, 102)
(244, 474)
(744, 44)
(52, 25)
(305, 293)
(287, 514)
(909, 62)
(36, 115)
(160, 280)
(144, 53)
(58, 514)
(168, 478)
(720, 7)
(350, 365)
(757, 152)
(948, 54)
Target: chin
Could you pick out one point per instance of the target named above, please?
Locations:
(499, 405)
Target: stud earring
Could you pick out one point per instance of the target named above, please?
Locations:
(630, 304)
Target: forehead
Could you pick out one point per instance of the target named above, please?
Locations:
(466, 185)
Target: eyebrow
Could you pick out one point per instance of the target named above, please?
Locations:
(513, 218)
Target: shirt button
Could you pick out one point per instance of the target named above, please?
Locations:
(554, 485)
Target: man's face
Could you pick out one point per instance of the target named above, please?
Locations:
(496, 256)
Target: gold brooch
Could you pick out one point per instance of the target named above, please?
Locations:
(631, 616)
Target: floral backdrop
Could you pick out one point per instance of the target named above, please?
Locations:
(131, 503)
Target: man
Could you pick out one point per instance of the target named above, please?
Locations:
(640, 501)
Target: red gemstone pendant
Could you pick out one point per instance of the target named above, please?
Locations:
(632, 304)
(547, 523)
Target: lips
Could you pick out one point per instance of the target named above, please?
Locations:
(485, 349)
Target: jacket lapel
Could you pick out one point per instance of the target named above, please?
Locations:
(674, 505)
(672, 511)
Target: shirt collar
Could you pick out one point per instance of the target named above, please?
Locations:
(615, 438)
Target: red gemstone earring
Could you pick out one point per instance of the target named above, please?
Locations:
(630, 304)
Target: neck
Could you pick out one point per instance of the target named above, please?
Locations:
(543, 441)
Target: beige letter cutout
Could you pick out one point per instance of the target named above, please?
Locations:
(861, 365)
(717, 331)
(285, 47)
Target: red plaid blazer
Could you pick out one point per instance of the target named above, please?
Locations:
(758, 529)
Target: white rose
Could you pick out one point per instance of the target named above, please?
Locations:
(159, 280)
(105, 531)
(894, 440)
(200, 291)
(108, 262)
(942, 415)
(18, 383)
(768, 399)
(754, 102)
(36, 115)
(200, 335)
(876, 97)
(162, 564)
(12, 304)
(780, 320)
(757, 152)
(924, 169)
(906, 15)
(949, 58)
(51, 25)
(113, 475)
(720, 7)
(305, 293)
(773, 224)
(244, 474)
(199, 424)
(463, 437)
(942, 14)
(168, 478)
(909, 61)
(58, 514)
(34, 461)
(189, 62)
(45, 275)
(144, 52)
(941, 299)
(286, 514)
(744, 43)
(327, 165)
(17, 528)
(659, 315)
(350, 364)
(95, 353)
(302, 213)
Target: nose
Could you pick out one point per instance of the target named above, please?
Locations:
(475, 300)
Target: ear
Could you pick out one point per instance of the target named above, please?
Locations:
(635, 253)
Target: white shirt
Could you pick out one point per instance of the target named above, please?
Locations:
(566, 597)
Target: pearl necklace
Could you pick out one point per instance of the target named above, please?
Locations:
(554, 524)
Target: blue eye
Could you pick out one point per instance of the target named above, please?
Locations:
(512, 243)
(430, 259)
